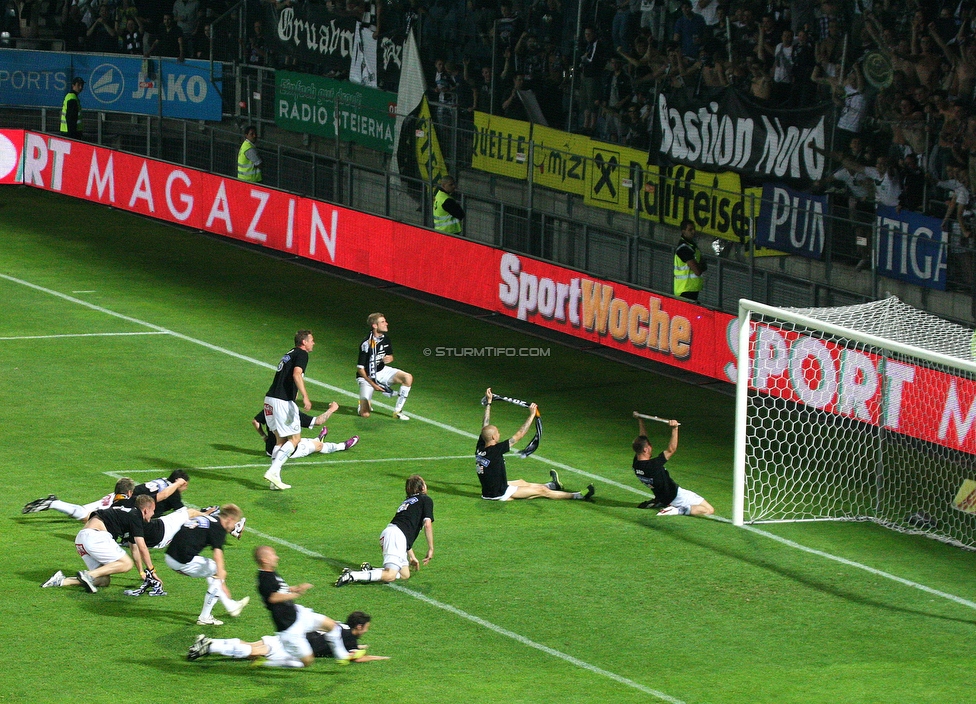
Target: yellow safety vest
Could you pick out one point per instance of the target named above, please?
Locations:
(684, 278)
(443, 220)
(71, 95)
(247, 171)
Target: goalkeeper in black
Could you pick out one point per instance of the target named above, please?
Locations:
(668, 496)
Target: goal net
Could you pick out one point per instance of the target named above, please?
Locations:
(864, 413)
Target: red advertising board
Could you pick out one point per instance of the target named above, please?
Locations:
(915, 400)
(11, 147)
(659, 328)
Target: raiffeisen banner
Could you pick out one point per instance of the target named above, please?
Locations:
(660, 328)
(113, 83)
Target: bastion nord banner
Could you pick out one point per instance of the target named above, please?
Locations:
(317, 105)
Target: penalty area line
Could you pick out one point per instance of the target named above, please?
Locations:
(83, 334)
(297, 463)
(464, 433)
(487, 624)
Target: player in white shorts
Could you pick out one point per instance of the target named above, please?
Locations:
(668, 496)
(373, 370)
(271, 647)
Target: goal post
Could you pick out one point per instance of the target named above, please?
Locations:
(864, 413)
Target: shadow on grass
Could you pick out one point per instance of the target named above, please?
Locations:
(239, 450)
(666, 528)
(252, 480)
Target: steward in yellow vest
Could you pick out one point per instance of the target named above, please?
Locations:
(448, 213)
(71, 110)
(248, 159)
(688, 264)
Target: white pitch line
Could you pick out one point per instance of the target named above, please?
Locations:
(489, 625)
(81, 334)
(458, 431)
(297, 463)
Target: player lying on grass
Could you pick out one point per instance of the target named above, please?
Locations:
(668, 496)
(167, 492)
(415, 513)
(307, 421)
(306, 446)
(490, 458)
(103, 556)
(270, 649)
(292, 621)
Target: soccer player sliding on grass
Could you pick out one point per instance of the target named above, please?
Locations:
(490, 458)
(668, 496)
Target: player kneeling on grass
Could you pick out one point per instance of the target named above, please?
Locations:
(103, 556)
(668, 496)
(416, 512)
(269, 651)
(183, 556)
(291, 620)
(490, 458)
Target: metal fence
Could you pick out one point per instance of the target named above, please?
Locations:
(516, 215)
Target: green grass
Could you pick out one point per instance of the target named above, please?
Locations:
(693, 609)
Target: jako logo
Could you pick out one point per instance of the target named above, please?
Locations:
(107, 83)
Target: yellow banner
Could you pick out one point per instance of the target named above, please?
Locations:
(559, 160)
(966, 497)
(428, 148)
(501, 145)
(617, 178)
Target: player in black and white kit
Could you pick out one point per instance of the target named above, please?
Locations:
(415, 513)
(306, 446)
(668, 496)
(97, 546)
(489, 456)
(270, 647)
(292, 621)
(280, 409)
(305, 420)
(183, 556)
(165, 491)
(373, 370)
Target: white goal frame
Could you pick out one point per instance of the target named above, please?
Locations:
(745, 366)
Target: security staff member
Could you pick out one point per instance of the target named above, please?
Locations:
(688, 264)
(71, 110)
(448, 213)
(248, 159)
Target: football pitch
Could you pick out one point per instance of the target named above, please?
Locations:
(129, 348)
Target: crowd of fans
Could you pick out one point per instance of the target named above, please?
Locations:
(897, 75)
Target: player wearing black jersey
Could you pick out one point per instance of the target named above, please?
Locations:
(373, 370)
(292, 621)
(270, 647)
(96, 543)
(280, 409)
(159, 533)
(415, 513)
(490, 460)
(183, 556)
(668, 496)
(167, 492)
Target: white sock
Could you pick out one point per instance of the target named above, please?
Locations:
(330, 447)
(280, 455)
(335, 640)
(305, 447)
(215, 586)
(210, 598)
(231, 647)
(290, 662)
(401, 398)
(73, 510)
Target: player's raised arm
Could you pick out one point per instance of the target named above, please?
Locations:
(641, 430)
(520, 433)
(673, 444)
(487, 418)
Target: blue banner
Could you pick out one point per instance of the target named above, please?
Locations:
(911, 247)
(112, 83)
(791, 221)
